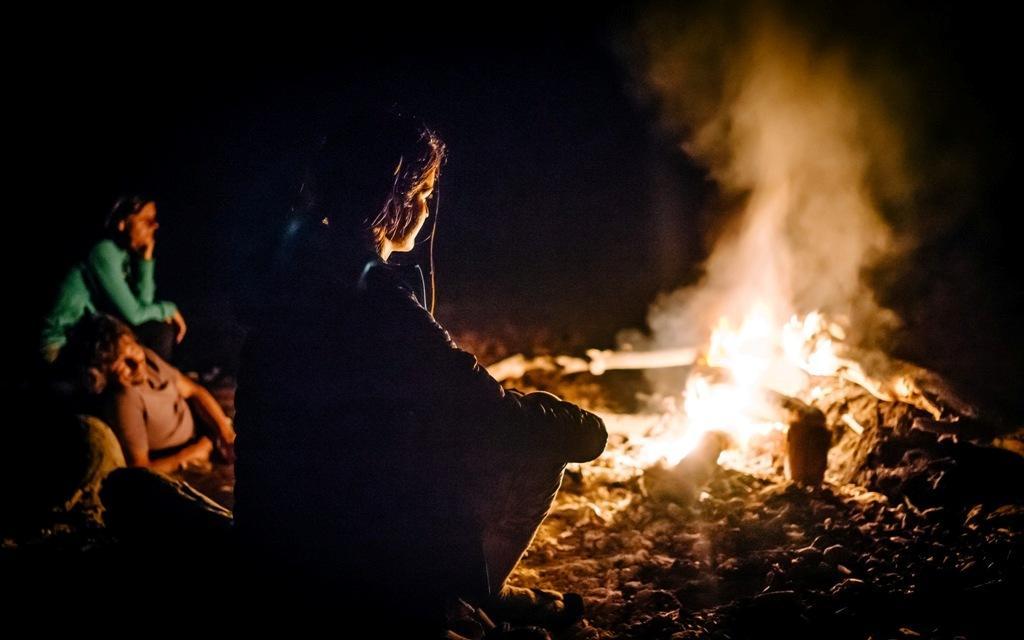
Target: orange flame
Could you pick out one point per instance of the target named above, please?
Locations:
(728, 392)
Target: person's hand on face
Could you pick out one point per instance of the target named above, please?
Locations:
(140, 228)
(129, 368)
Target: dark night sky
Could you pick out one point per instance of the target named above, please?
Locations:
(560, 204)
(552, 202)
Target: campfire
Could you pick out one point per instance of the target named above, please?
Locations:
(782, 466)
(792, 476)
(751, 382)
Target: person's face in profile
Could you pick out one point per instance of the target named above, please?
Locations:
(140, 227)
(421, 209)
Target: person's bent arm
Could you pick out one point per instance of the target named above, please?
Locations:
(145, 282)
(583, 434)
(209, 411)
(434, 371)
(129, 425)
(105, 266)
(198, 450)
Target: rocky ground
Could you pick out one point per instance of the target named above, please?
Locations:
(755, 557)
(916, 533)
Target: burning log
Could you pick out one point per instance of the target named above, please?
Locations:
(890, 379)
(597, 362)
(516, 366)
(807, 442)
(601, 361)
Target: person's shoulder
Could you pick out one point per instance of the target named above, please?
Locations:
(106, 249)
(121, 397)
(163, 369)
(382, 278)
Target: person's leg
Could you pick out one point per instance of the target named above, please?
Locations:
(158, 336)
(512, 511)
(511, 508)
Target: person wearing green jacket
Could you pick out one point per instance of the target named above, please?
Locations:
(116, 277)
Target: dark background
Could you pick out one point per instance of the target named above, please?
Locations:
(561, 205)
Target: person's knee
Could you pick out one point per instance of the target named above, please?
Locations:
(545, 472)
(537, 482)
(158, 336)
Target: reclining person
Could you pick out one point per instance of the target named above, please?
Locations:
(144, 400)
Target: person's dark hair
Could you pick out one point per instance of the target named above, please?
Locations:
(124, 206)
(93, 346)
(362, 178)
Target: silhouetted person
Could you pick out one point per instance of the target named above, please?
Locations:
(379, 466)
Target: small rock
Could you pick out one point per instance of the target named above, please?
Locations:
(838, 554)
(655, 600)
